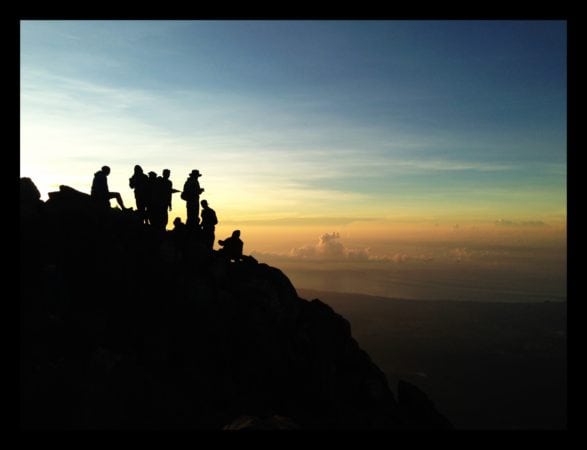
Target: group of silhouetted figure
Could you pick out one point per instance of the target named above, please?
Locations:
(153, 196)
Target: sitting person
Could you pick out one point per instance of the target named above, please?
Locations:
(232, 247)
(100, 192)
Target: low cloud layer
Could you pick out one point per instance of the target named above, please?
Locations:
(458, 269)
(331, 248)
(511, 223)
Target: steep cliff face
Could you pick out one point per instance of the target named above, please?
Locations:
(121, 330)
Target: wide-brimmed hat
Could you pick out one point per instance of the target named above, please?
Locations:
(196, 172)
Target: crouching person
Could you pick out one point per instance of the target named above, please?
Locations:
(232, 247)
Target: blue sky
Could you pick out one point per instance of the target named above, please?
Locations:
(306, 118)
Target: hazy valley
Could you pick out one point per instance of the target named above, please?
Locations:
(484, 365)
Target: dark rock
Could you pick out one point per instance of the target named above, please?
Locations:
(28, 192)
(418, 410)
(118, 331)
(256, 423)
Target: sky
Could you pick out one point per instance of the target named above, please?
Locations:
(379, 134)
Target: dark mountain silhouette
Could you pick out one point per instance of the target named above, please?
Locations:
(120, 330)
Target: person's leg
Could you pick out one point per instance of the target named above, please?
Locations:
(207, 238)
(191, 214)
(102, 201)
(197, 210)
(116, 195)
(142, 208)
(161, 218)
(148, 215)
(164, 218)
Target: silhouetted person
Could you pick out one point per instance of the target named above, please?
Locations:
(209, 222)
(232, 247)
(100, 192)
(139, 182)
(179, 234)
(167, 187)
(151, 188)
(157, 205)
(191, 194)
(178, 224)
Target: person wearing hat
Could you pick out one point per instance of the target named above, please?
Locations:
(191, 194)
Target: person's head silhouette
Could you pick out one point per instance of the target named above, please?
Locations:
(195, 173)
(166, 173)
(138, 169)
(204, 203)
(106, 170)
(236, 233)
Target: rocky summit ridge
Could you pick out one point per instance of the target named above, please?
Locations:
(121, 330)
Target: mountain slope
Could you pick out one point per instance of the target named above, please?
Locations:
(122, 328)
(487, 365)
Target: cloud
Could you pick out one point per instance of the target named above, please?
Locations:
(460, 254)
(330, 248)
(527, 223)
(448, 166)
(327, 247)
(400, 258)
(299, 221)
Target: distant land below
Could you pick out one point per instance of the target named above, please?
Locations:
(485, 365)
(472, 287)
(366, 298)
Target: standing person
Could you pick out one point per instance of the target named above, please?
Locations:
(157, 206)
(168, 191)
(139, 182)
(191, 194)
(100, 192)
(209, 221)
(150, 198)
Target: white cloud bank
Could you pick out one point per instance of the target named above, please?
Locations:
(330, 248)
